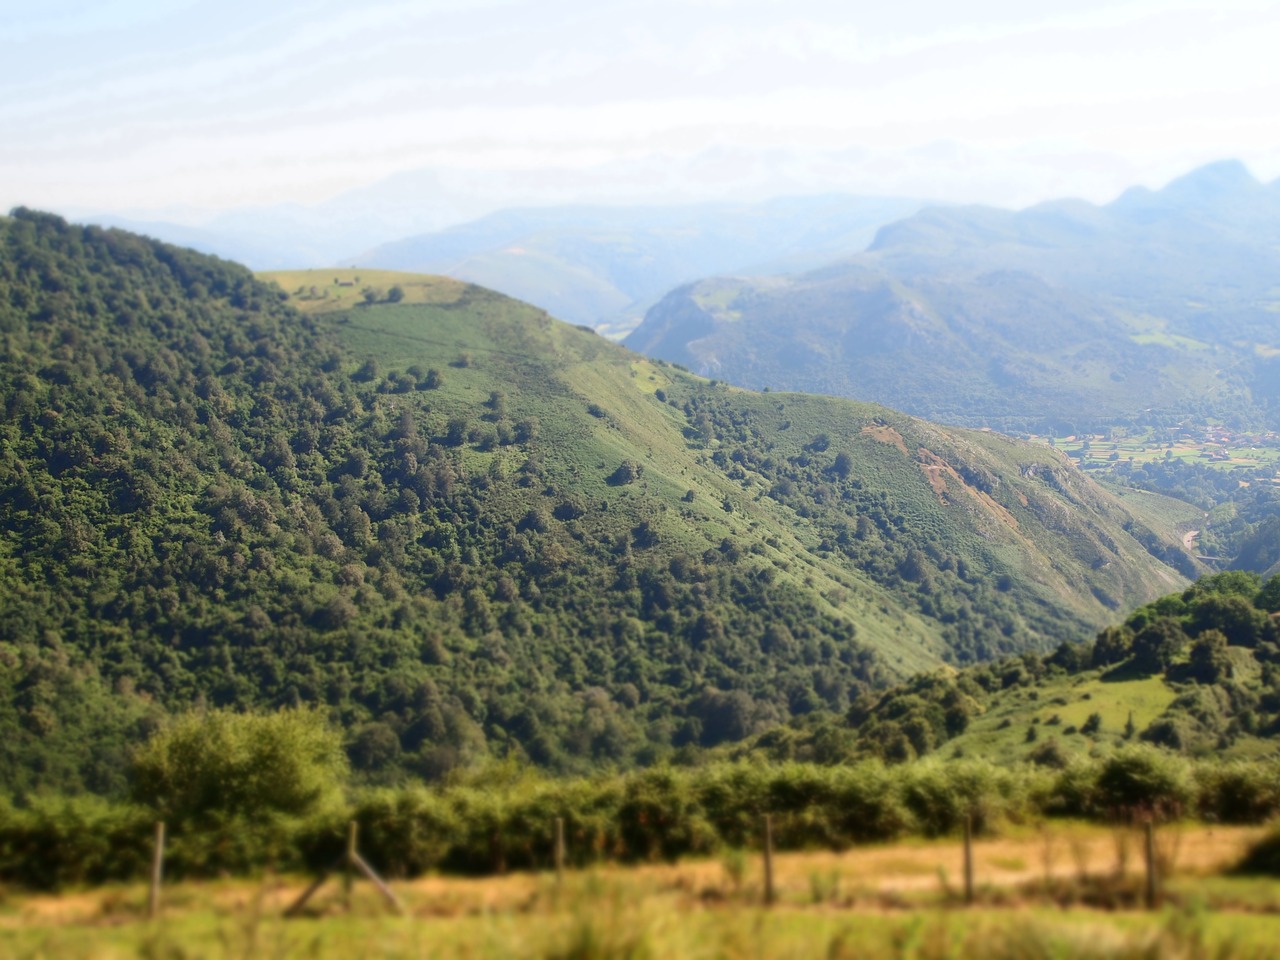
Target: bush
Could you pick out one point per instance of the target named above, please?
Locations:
(1237, 792)
(867, 804)
(660, 818)
(62, 842)
(940, 796)
(1142, 782)
(1263, 857)
(405, 832)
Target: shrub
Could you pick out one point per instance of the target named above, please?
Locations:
(659, 818)
(1142, 782)
(60, 842)
(940, 796)
(868, 804)
(1263, 856)
(1237, 792)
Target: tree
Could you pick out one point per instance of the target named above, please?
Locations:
(219, 763)
(1268, 598)
(1209, 660)
(395, 294)
(1113, 645)
(1156, 645)
(1235, 616)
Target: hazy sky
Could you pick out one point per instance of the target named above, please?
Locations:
(132, 105)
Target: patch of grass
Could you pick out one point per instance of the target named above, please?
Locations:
(330, 291)
(1001, 731)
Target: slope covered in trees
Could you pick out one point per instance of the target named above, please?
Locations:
(462, 527)
(1197, 672)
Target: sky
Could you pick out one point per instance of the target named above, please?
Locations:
(184, 108)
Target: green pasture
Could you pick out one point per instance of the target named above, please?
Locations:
(1057, 707)
(1101, 452)
(341, 288)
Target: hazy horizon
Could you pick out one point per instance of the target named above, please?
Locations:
(198, 109)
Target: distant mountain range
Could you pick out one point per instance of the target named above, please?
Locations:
(1065, 315)
(594, 265)
(605, 266)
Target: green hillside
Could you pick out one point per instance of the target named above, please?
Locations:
(465, 528)
(1195, 672)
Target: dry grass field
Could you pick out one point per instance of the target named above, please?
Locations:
(1064, 891)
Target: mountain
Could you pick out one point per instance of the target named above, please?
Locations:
(604, 266)
(463, 527)
(1063, 316)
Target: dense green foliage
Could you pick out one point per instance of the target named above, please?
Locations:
(240, 765)
(503, 817)
(1214, 648)
(462, 528)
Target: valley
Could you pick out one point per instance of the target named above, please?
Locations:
(580, 481)
(455, 541)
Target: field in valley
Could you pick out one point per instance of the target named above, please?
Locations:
(1061, 891)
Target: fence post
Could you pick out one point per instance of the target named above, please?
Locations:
(1153, 890)
(559, 849)
(968, 858)
(768, 860)
(157, 872)
(349, 863)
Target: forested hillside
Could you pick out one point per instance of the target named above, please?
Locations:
(1197, 672)
(464, 528)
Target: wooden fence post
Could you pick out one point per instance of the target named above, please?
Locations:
(559, 849)
(348, 867)
(349, 861)
(1153, 889)
(768, 860)
(968, 858)
(157, 872)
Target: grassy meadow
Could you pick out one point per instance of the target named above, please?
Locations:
(323, 291)
(1063, 891)
(1060, 709)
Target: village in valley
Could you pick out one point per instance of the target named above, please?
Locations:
(1214, 445)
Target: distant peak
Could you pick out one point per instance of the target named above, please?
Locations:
(1224, 183)
(1213, 180)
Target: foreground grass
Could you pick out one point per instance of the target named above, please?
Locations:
(896, 900)
(728, 935)
(611, 927)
